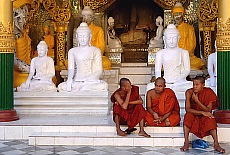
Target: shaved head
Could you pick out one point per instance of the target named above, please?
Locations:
(160, 79)
(123, 81)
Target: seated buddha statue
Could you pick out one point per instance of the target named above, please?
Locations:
(157, 41)
(141, 21)
(84, 65)
(97, 39)
(41, 72)
(22, 56)
(187, 36)
(174, 60)
(113, 41)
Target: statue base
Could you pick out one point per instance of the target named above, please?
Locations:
(8, 115)
(222, 116)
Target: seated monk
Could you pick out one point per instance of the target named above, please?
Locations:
(162, 106)
(84, 65)
(41, 72)
(127, 108)
(200, 101)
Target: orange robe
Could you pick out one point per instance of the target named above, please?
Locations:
(133, 114)
(201, 125)
(164, 104)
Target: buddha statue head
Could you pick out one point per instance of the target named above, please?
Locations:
(83, 34)
(178, 13)
(46, 29)
(42, 49)
(159, 21)
(111, 21)
(87, 15)
(171, 36)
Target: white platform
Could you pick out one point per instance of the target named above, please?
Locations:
(82, 102)
(92, 130)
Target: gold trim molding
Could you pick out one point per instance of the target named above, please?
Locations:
(7, 38)
(208, 10)
(223, 35)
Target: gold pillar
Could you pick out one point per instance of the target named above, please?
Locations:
(223, 62)
(207, 28)
(7, 112)
(60, 40)
(6, 27)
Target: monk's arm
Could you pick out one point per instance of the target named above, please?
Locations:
(123, 104)
(166, 116)
(188, 108)
(201, 105)
(139, 101)
(149, 105)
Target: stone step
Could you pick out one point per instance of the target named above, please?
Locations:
(53, 103)
(137, 79)
(104, 139)
(136, 70)
(134, 64)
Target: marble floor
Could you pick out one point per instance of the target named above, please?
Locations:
(20, 147)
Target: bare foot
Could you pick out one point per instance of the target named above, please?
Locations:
(121, 133)
(144, 134)
(218, 148)
(185, 147)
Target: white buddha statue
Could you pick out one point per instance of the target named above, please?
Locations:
(113, 41)
(157, 41)
(174, 60)
(212, 69)
(84, 65)
(41, 72)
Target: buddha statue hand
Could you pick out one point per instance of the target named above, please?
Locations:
(27, 84)
(69, 85)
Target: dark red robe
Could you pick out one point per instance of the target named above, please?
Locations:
(133, 114)
(201, 125)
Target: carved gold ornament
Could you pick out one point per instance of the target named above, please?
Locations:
(223, 35)
(208, 10)
(98, 5)
(6, 38)
(168, 4)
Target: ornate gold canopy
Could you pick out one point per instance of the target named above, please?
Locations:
(101, 5)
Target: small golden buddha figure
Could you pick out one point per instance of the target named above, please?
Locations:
(49, 39)
(187, 36)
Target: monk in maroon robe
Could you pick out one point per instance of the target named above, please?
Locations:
(162, 106)
(200, 101)
(127, 108)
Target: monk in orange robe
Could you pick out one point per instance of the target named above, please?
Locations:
(200, 101)
(162, 106)
(127, 107)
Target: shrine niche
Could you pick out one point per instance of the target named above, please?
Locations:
(48, 21)
(134, 25)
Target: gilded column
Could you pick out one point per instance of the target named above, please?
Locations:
(207, 13)
(60, 45)
(223, 62)
(208, 28)
(7, 43)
